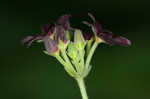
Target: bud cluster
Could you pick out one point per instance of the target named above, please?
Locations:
(72, 47)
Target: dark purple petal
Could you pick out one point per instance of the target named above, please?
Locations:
(91, 16)
(111, 39)
(51, 29)
(63, 38)
(108, 34)
(87, 23)
(60, 34)
(97, 28)
(48, 29)
(50, 45)
(122, 41)
(29, 39)
(87, 36)
(107, 37)
(59, 31)
(64, 21)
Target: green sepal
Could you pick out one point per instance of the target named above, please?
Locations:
(88, 46)
(52, 53)
(63, 45)
(68, 35)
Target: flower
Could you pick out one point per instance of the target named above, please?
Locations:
(106, 36)
(60, 35)
(88, 36)
(64, 22)
(47, 31)
(74, 54)
(51, 34)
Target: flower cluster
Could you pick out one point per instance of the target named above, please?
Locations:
(72, 47)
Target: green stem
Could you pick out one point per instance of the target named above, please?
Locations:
(60, 60)
(88, 48)
(66, 66)
(89, 57)
(81, 85)
(67, 60)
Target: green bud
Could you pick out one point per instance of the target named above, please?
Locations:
(73, 52)
(79, 39)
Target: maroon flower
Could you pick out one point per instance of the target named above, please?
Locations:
(106, 36)
(63, 25)
(60, 34)
(64, 21)
(47, 31)
(51, 44)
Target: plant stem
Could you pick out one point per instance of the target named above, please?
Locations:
(60, 60)
(81, 85)
(89, 57)
(66, 67)
(67, 60)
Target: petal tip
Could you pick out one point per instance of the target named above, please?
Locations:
(92, 16)
(122, 41)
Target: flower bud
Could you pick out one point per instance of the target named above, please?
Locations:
(73, 52)
(79, 39)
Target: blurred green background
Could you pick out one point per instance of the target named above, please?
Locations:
(117, 73)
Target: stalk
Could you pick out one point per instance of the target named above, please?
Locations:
(82, 87)
(89, 57)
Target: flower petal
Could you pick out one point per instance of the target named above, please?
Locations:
(97, 28)
(50, 45)
(64, 21)
(91, 16)
(51, 29)
(107, 37)
(29, 39)
(122, 41)
(60, 34)
(87, 23)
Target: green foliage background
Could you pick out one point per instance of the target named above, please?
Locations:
(117, 73)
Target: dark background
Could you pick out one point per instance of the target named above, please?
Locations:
(117, 73)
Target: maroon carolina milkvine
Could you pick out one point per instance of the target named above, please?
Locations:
(73, 47)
